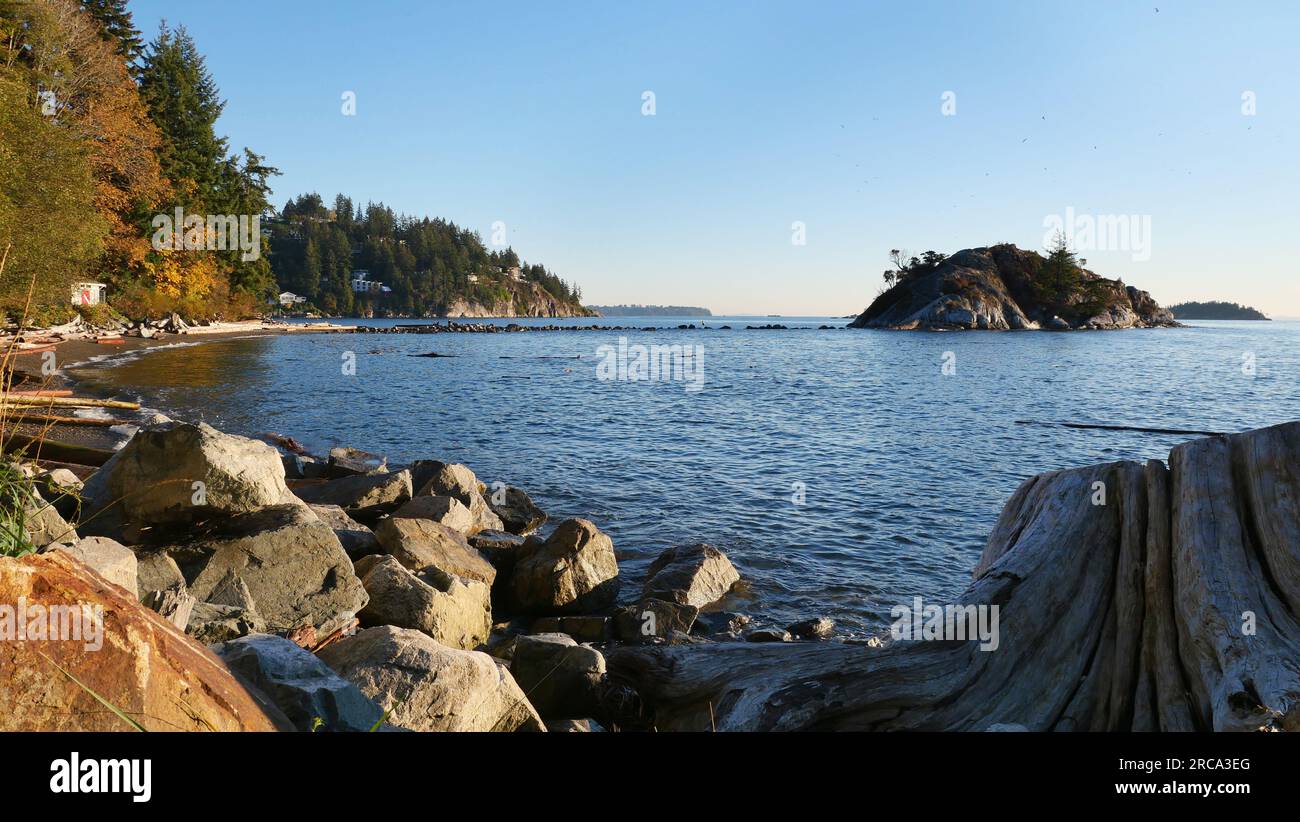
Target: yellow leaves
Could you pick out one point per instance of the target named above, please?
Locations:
(184, 274)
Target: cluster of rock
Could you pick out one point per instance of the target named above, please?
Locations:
(338, 593)
(995, 288)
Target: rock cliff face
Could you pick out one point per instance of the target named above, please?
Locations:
(523, 300)
(997, 288)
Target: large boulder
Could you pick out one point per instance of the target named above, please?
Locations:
(303, 687)
(696, 575)
(516, 509)
(563, 679)
(420, 544)
(136, 661)
(455, 480)
(109, 558)
(572, 571)
(366, 496)
(357, 539)
(456, 612)
(175, 473)
(430, 687)
(441, 509)
(291, 565)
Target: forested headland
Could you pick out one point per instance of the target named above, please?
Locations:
(104, 133)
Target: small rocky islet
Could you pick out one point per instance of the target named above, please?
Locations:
(337, 592)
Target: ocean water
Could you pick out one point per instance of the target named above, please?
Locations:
(843, 471)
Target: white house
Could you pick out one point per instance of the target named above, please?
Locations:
(89, 293)
(288, 298)
(362, 284)
(473, 278)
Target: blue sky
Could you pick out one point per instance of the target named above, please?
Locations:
(767, 114)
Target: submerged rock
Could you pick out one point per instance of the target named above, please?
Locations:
(816, 628)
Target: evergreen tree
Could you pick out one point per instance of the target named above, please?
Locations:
(117, 27)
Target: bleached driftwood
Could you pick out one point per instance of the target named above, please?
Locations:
(1136, 614)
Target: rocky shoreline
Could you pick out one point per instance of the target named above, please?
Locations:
(339, 589)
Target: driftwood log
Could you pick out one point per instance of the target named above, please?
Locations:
(1175, 605)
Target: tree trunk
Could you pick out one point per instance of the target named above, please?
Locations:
(1171, 606)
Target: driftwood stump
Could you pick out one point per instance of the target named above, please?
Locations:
(1175, 605)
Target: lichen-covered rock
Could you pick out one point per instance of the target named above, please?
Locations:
(431, 687)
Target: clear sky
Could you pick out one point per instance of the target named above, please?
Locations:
(827, 114)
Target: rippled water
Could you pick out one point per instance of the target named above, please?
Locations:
(904, 469)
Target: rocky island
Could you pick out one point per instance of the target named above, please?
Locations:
(1006, 288)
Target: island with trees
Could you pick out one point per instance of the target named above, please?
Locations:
(1215, 310)
(1003, 287)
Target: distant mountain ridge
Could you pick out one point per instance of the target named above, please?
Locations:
(1215, 310)
(1003, 287)
(651, 311)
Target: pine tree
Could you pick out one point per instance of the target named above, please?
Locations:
(182, 100)
(117, 27)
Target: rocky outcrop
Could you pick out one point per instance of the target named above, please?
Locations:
(572, 571)
(458, 481)
(521, 299)
(142, 664)
(312, 696)
(176, 473)
(697, 575)
(1170, 602)
(1000, 288)
(430, 687)
(456, 612)
(281, 563)
(420, 544)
